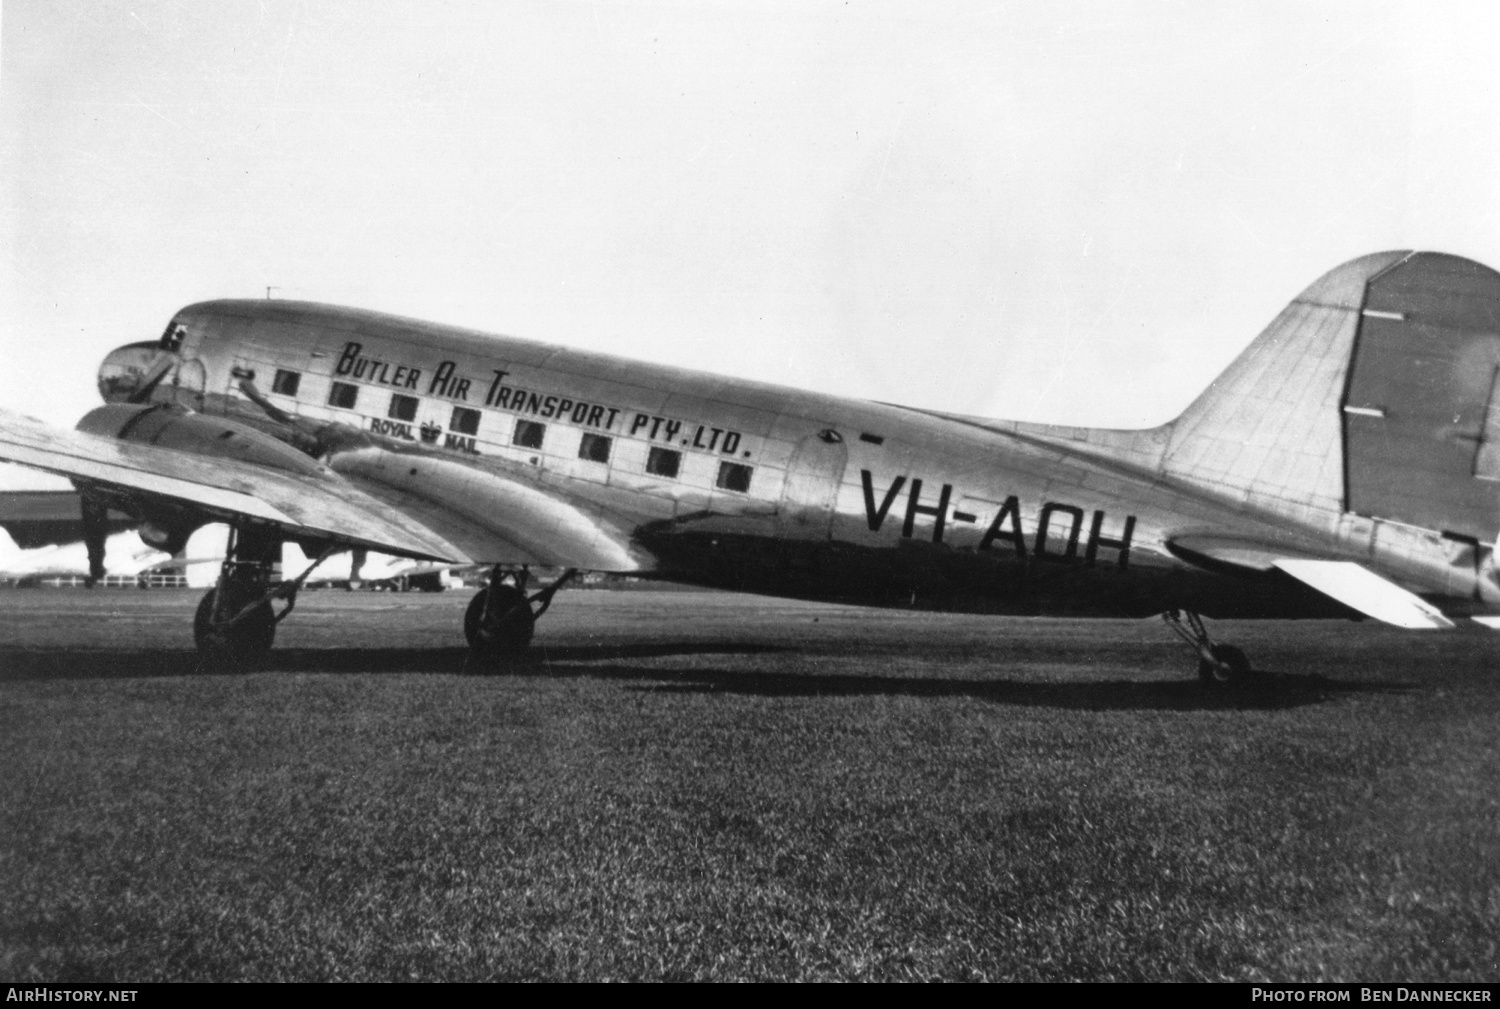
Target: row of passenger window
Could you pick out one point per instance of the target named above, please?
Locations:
(463, 421)
(663, 462)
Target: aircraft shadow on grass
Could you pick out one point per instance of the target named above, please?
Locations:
(1272, 691)
(120, 663)
(1275, 691)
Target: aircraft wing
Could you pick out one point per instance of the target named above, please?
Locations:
(312, 505)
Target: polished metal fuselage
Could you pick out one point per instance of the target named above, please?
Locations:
(522, 453)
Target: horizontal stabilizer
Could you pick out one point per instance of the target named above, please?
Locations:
(1493, 623)
(1363, 590)
(1240, 555)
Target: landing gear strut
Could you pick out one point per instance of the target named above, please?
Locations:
(500, 619)
(95, 532)
(1218, 664)
(235, 624)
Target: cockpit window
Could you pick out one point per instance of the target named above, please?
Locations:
(173, 337)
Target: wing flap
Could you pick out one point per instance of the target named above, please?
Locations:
(1362, 589)
(322, 505)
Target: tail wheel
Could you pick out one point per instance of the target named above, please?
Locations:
(244, 643)
(1229, 668)
(501, 629)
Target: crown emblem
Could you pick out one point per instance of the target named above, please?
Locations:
(430, 431)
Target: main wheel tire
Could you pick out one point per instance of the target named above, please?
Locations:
(246, 643)
(511, 623)
(1230, 668)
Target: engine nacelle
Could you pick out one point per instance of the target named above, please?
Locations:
(198, 434)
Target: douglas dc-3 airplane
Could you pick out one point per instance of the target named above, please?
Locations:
(1346, 464)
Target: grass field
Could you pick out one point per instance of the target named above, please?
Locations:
(695, 785)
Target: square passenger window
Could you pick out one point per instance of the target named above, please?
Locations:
(342, 394)
(286, 382)
(465, 421)
(733, 476)
(402, 407)
(664, 462)
(594, 448)
(529, 434)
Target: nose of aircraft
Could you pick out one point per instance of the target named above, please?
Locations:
(126, 371)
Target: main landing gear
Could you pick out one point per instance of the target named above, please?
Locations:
(95, 518)
(235, 625)
(1219, 665)
(500, 619)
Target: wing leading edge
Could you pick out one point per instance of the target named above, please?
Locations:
(321, 506)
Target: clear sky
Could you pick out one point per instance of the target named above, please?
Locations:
(1066, 212)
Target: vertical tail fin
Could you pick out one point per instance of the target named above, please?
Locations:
(1270, 426)
(1376, 391)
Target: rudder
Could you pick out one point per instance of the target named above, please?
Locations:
(1421, 416)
